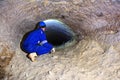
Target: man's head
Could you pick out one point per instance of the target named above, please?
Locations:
(42, 25)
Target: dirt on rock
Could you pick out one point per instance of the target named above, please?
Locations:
(88, 60)
(5, 57)
(95, 57)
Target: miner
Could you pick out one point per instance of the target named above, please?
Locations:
(35, 43)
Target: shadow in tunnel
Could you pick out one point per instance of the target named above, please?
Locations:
(58, 33)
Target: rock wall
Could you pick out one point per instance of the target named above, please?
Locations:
(84, 17)
(97, 19)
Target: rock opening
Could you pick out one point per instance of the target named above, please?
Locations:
(58, 33)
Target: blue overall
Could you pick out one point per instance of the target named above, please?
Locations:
(36, 42)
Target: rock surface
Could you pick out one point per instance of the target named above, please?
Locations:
(86, 61)
(96, 57)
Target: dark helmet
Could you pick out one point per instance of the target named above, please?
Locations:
(41, 24)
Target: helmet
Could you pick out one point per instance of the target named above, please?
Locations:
(41, 24)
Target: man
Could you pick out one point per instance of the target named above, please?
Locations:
(36, 44)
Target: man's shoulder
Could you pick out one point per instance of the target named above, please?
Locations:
(37, 31)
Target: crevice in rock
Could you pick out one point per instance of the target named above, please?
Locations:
(59, 34)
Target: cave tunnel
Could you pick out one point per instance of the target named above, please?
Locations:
(96, 57)
(58, 33)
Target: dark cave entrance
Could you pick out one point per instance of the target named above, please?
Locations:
(58, 34)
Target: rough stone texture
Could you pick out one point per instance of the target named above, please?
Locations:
(5, 57)
(86, 61)
(94, 58)
(93, 18)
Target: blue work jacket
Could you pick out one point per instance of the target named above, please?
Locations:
(36, 41)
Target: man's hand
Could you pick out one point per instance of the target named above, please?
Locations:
(53, 50)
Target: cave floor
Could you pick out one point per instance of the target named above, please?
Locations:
(88, 60)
